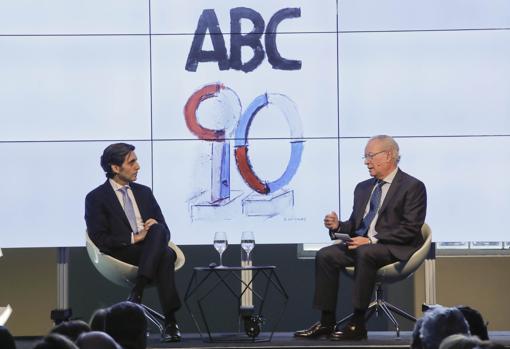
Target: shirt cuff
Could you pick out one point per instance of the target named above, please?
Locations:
(373, 239)
(332, 233)
(132, 239)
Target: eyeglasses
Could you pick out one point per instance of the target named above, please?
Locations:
(371, 156)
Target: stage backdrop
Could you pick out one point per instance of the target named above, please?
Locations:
(252, 115)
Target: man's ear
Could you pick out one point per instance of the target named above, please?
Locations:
(115, 169)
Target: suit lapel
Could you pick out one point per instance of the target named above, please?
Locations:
(366, 197)
(394, 187)
(114, 203)
(139, 200)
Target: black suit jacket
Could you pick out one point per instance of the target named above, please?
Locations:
(107, 224)
(401, 215)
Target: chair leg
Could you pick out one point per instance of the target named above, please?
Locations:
(387, 308)
(390, 316)
(400, 312)
(345, 319)
(371, 308)
(154, 317)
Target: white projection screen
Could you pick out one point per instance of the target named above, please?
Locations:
(301, 84)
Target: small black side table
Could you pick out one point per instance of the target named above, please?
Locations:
(205, 280)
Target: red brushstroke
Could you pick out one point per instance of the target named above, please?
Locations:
(245, 169)
(190, 113)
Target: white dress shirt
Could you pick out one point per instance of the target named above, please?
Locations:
(139, 222)
(384, 190)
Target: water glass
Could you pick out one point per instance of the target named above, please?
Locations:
(220, 244)
(247, 243)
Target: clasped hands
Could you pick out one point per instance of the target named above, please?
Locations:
(332, 222)
(140, 236)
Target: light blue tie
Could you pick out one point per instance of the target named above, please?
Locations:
(128, 208)
(375, 200)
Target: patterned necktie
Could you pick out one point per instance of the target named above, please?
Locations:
(129, 209)
(375, 200)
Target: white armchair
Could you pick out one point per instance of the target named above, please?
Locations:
(124, 274)
(392, 273)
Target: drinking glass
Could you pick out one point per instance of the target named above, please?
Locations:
(247, 243)
(220, 243)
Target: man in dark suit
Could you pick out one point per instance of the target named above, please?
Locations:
(124, 220)
(384, 227)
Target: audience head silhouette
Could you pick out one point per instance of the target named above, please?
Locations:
(96, 340)
(477, 325)
(55, 341)
(71, 329)
(97, 320)
(460, 341)
(126, 323)
(440, 322)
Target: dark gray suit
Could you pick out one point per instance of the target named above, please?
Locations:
(108, 227)
(398, 228)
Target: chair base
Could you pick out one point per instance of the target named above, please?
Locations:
(378, 305)
(155, 318)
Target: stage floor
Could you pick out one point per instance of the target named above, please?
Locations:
(375, 340)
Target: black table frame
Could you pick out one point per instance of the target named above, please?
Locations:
(223, 274)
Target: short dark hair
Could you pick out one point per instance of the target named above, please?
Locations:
(55, 341)
(96, 340)
(71, 329)
(97, 320)
(440, 322)
(126, 323)
(114, 154)
(477, 325)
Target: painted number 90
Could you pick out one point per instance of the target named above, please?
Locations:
(221, 147)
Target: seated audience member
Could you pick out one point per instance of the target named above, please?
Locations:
(460, 341)
(127, 325)
(97, 320)
(96, 340)
(415, 336)
(71, 329)
(55, 341)
(439, 323)
(477, 325)
(6, 339)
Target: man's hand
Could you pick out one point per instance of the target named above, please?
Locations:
(140, 236)
(331, 221)
(143, 233)
(357, 241)
(149, 222)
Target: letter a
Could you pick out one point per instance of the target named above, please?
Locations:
(207, 21)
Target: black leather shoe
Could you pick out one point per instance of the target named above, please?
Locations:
(315, 331)
(171, 333)
(135, 297)
(351, 332)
